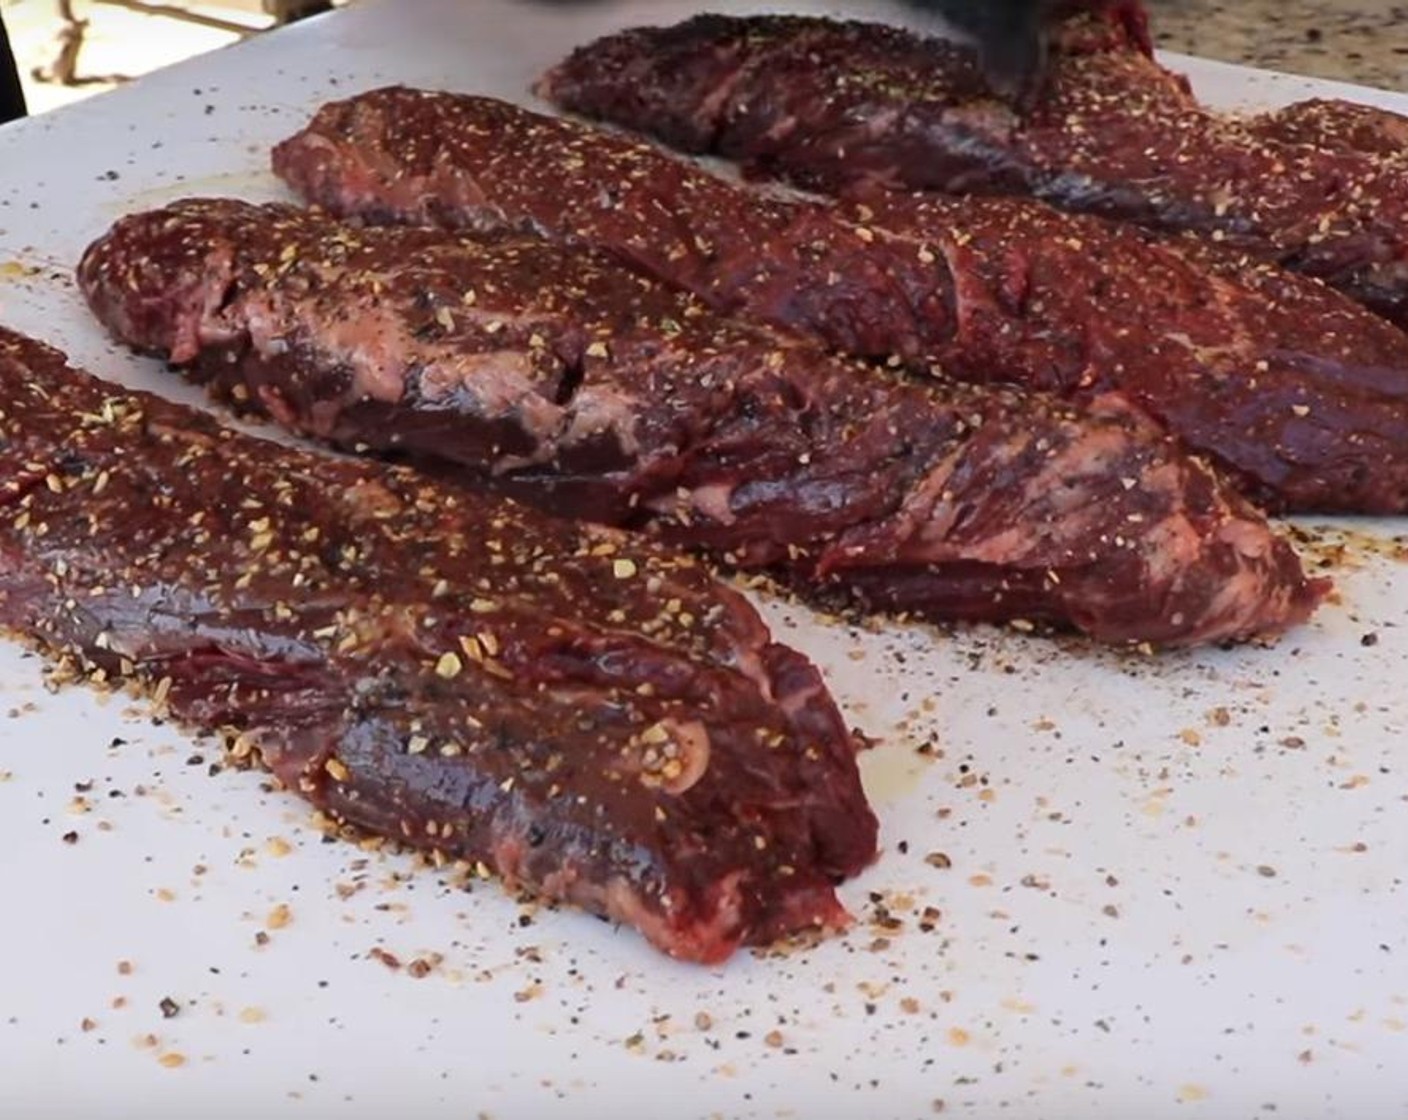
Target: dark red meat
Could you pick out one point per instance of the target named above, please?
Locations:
(1296, 391)
(1300, 401)
(1336, 127)
(593, 720)
(588, 390)
(839, 106)
(476, 163)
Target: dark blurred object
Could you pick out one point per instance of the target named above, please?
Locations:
(1010, 36)
(11, 95)
(288, 11)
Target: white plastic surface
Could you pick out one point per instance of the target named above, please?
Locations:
(1175, 884)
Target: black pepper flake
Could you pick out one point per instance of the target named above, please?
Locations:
(169, 1008)
(70, 838)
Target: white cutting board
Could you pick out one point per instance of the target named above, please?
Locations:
(1175, 885)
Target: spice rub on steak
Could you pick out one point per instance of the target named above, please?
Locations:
(1337, 127)
(839, 106)
(594, 720)
(588, 390)
(1297, 394)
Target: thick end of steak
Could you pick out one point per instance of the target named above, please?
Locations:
(594, 720)
(549, 374)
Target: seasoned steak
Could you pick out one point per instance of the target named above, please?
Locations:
(588, 390)
(592, 719)
(839, 106)
(1301, 401)
(480, 164)
(1336, 127)
(1299, 393)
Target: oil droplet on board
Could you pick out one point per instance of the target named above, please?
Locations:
(892, 770)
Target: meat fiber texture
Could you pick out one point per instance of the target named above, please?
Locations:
(572, 383)
(594, 720)
(839, 107)
(1295, 392)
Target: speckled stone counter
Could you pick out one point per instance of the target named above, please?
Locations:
(1363, 41)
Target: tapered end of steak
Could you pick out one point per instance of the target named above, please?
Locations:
(1230, 578)
(1213, 564)
(1211, 567)
(1096, 519)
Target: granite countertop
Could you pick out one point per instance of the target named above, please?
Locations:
(1363, 41)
